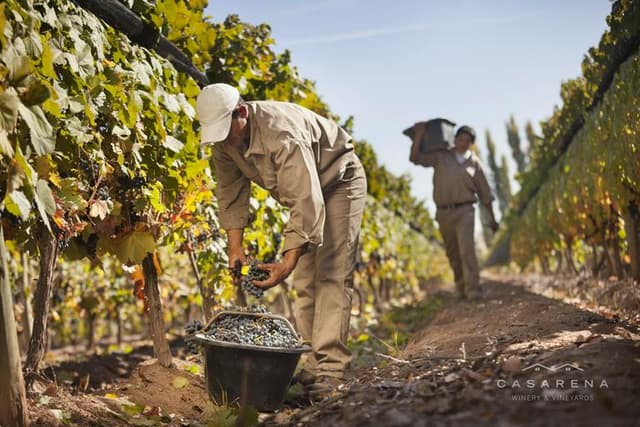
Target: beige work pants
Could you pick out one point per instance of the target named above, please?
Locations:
(323, 278)
(457, 229)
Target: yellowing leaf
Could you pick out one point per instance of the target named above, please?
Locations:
(54, 178)
(194, 369)
(137, 274)
(156, 263)
(47, 60)
(111, 396)
(132, 410)
(3, 21)
(155, 198)
(180, 382)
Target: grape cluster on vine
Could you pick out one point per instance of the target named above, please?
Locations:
(102, 193)
(63, 239)
(90, 170)
(127, 183)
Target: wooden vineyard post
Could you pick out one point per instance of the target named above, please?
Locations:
(27, 319)
(632, 229)
(208, 298)
(13, 402)
(48, 246)
(154, 306)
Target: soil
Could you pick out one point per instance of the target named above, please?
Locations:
(513, 357)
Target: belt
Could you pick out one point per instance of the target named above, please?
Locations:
(455, 205)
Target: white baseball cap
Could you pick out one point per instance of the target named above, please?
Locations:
(214, 106)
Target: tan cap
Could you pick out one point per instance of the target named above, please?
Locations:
(214, 106)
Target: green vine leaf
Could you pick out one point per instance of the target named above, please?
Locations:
(40, 129)
(9, 103)
(17, 204)
(5, 145)
(134, 246)
(44, 198)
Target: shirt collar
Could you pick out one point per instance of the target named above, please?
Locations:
(254, 146)
(461, 158)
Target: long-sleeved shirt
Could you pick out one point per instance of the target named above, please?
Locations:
(293, 153)
(453, 182)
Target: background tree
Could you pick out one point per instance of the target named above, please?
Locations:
(499, 175)
(505, 183)
(513, 138)
(533, 139)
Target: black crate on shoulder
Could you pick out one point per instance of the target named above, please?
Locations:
(439, 134)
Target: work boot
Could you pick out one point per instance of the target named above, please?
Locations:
(304, 377)
(324, 387)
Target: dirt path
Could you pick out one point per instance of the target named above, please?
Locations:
(513, 358)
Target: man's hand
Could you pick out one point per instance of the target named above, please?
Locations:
(493, 224)
(277, 273)
(237, 258)
(280, 271)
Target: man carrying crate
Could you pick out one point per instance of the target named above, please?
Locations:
(458, 182)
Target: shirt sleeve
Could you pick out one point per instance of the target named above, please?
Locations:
(429, 159)
(482, 185)
(233, 190)
(299, 189)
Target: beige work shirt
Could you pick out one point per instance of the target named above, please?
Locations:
(454, 182)
(293, 153)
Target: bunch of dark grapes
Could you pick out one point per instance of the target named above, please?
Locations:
(191, 329)
(126, 183)
(62, 238)
(90, 170)
(63, 242)
(204, 236)
(277, 239)
(257, 274)
(102, 193)
(262, 331)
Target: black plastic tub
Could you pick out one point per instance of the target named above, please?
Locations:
(242, 374)
(438, 134)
